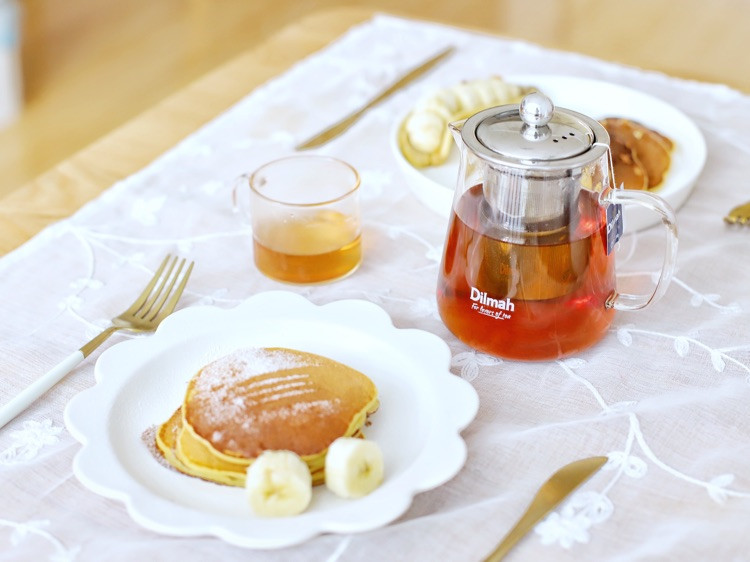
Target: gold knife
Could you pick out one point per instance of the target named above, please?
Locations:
(338, 128)
(549, 496)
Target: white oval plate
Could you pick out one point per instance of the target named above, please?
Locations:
(434, 186)
(142, 381)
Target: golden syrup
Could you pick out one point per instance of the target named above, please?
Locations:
(311, 249)
(533, 298)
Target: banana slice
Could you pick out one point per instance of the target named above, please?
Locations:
(354, 467)
(278, 484)
(423, 136)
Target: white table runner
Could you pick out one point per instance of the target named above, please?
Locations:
(664, 395)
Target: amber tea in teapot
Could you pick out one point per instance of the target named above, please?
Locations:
(528, 268)
(558, 284)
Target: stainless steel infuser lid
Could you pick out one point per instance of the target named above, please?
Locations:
(534, 135)
(534, 156)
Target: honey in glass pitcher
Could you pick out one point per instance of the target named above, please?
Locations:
(305, 215)
(322, 246)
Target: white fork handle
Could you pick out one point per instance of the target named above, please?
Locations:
(19, 403)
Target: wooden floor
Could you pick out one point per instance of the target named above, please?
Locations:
(90, 65)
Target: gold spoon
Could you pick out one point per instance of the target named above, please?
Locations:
(549, 496)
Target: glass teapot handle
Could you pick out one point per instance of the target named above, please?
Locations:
(627, 301)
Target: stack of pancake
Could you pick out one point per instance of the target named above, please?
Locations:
(641, 156)
(260, 399)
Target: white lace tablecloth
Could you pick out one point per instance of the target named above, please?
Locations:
(665, 395)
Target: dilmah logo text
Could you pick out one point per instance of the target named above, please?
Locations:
(498, 309)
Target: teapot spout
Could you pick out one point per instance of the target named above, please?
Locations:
(455, 129)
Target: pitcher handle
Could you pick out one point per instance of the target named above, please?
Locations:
(240, 202)
(628, 301)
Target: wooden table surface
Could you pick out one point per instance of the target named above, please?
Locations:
(59, 192)
(682, 38)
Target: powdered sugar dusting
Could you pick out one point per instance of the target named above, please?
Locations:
(245, 364)
(278, 387)
(287, 412)
(288, 394)
(218, 382)
(274, 380)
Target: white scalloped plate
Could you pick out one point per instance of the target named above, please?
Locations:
(140, 382)
(434, 186)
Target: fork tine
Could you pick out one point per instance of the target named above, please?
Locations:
(135, 307)
(169, 306)
(144, 309)
(169, 281)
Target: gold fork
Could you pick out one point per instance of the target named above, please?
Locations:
(154, 304)
(739, 215)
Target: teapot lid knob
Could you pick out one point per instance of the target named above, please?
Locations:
(536, 109)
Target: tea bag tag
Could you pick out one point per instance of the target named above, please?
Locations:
(614, 225)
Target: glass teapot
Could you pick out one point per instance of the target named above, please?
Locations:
(528, 269)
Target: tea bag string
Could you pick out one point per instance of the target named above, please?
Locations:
(611, 173)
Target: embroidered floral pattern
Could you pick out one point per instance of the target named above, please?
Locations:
(717, 487)
(682, 346)
(470, 361)
(145, 210)
(629, 464)
(29, 440)
(572, 523)
(21, 532)
(422, 307)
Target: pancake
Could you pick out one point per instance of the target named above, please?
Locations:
(641, 156)
(261, 399)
